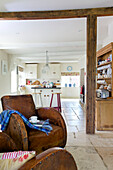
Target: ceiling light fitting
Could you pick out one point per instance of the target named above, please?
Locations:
(46, 68)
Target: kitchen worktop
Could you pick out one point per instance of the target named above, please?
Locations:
(45, 88)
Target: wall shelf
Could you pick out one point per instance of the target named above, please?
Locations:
(109, 78)
(104, 64)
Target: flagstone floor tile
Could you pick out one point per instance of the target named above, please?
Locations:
(91, 152)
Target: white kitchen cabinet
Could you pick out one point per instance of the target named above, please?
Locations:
(31, 71)
(55, 71)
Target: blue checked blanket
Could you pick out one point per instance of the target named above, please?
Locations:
(6, 114)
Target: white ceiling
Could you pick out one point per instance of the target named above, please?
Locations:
(64, 39)
(30, 39)
(38, 5)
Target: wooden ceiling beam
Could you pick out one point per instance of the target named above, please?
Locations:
(59, 14)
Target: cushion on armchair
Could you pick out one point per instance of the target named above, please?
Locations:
(14, 160)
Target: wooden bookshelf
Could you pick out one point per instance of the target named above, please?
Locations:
(104, 107)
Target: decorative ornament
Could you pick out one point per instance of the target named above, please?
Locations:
(69, 68)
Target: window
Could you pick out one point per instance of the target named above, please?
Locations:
(70, 81)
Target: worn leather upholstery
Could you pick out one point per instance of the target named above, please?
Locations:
(31, 139)
(22, 103)
(45, 142)
(54, 158)
(6, 143)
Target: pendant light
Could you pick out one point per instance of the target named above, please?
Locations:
(46, 68)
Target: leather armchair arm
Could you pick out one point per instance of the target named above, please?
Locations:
(54, 158)
(54, 117)
(17, 131)
(6, 143)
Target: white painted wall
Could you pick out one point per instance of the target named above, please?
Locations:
(70, 92)
(109, 37)
(5, 82)
(75, 67)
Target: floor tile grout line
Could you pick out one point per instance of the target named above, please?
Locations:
(98, 154)
(77, 129)
(75, 114)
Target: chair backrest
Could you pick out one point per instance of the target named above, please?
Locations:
(22, 103)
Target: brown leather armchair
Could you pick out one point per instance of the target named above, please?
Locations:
(53, 158)
(26, 138)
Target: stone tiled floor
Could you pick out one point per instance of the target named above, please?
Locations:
(91, 152)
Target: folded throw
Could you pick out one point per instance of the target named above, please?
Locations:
(6, 114)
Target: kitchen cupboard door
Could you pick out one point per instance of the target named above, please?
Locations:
(55, 71)
(46, 100)
(104, 115)
(31, 71)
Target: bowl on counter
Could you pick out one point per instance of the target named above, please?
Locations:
(51, 84)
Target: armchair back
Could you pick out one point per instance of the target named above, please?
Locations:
(22, 103)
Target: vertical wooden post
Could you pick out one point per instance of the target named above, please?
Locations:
(91, 73)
